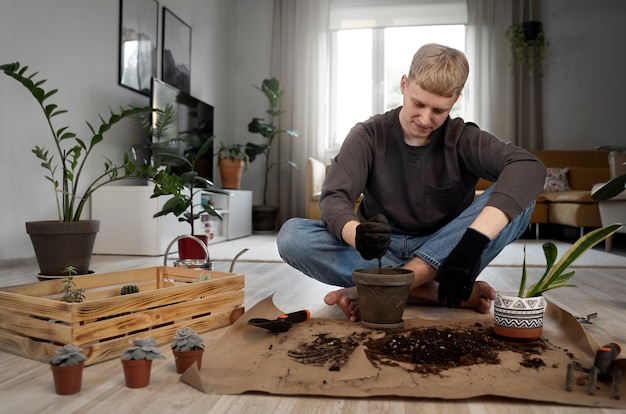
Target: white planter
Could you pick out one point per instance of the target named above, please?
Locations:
(518, 318)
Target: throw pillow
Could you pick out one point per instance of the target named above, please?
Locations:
(556, 180)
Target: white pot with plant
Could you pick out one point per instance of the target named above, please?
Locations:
(518, 315)
(69, 239)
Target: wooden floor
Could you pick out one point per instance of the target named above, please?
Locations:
(26, 385)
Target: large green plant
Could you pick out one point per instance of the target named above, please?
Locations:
(66, 162)
(554, 276)
(614, 186)
(268, 130)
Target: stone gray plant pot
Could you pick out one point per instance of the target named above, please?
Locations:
(383, 293)
(59, 244)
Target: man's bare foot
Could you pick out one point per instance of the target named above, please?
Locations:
(481, 297)
(348, 301)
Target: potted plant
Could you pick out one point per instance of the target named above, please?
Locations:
(137, 361)
(528, 43)
(67, 369)
(518, 314)
(187, 349)
(615, 185)
(70, 239)
(232, 161)
(265, 217)
(183, 189)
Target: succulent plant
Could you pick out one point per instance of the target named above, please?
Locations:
(128, 289)
(143, 348)
(68, 355)
(186, 339)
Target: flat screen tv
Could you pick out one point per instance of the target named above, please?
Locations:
(194, 121)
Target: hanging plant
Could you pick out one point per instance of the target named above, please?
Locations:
(528, 43)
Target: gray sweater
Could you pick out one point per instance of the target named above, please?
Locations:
(420, 189)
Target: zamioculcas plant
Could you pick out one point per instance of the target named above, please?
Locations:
(554, 276)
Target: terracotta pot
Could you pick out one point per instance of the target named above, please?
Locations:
(67, 379)
(59, 244)
(137, 372)
(231, 172)
(190, 249)
(383, 293)
(519, 319)
(265, 218)
(184, 359)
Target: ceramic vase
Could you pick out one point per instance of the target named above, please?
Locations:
(137, 372)
(383, 293)
(518, 318)
(67, 379)
(184, 359)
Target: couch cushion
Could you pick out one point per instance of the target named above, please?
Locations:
(572, 196)
(556, 179)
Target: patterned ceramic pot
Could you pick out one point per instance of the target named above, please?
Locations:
(518, 318)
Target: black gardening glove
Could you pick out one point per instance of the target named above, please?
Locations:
(458, 272)
(373, 237)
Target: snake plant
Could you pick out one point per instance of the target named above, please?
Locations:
(554, 276)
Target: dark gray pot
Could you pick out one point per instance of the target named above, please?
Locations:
(59, 244)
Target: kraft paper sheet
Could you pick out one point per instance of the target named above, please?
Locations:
(249, 359)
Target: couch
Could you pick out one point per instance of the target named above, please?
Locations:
(566, 199)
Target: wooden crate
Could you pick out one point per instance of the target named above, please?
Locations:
(34, 322)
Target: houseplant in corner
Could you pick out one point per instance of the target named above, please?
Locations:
(518, 315)
(265, 217)
(187, 349)
(69, 240)
(67, 369)
(137, 361)
(232, 161)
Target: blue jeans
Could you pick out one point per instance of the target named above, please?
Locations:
(307, 246)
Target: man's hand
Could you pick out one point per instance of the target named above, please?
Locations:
(373, 237)
(458, 272)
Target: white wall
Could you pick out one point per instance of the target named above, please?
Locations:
(584, 82)
(74, 44)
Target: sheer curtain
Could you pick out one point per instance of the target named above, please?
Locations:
(505, 100)
(300, 62)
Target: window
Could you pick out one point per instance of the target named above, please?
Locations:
(367, 65)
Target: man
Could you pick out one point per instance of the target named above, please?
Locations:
(417, 170)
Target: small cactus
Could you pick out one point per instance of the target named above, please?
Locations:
(68, 355)
(128, 289)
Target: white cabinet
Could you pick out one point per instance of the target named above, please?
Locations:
(128, 228)
(236, 214)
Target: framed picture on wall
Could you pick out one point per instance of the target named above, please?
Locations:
(176, 56)
(138, 43)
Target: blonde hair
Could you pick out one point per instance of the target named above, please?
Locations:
(439, 69)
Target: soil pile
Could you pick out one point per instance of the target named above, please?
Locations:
(424, 350)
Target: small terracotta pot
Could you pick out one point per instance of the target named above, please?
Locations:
(519, 319)
(231, 172)
(137, 372)
(184, 359)
(67, 379)
(383, 293)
